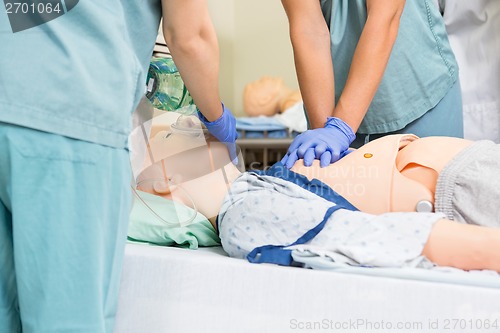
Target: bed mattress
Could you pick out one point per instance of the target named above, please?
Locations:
(177, 290)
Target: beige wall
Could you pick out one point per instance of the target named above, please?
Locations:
(254, 42)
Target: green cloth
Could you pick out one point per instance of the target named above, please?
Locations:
(145, 226)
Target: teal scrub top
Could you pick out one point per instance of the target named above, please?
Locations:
(82, 74)
(421, 68)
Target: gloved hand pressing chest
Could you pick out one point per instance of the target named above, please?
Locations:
(327, 144)
(224, 129)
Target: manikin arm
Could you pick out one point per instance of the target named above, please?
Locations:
(463, 246)
(191, 39)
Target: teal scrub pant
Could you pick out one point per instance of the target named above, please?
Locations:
(445, 119)
(64, 210)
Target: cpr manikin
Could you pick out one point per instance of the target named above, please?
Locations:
(198, 171)
(396, 173)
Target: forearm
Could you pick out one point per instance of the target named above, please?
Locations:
(463, 246)
(315, 75)
(367, 68)
(192, 40)
(311, 46)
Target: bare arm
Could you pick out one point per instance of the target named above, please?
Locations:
(370, 60)
(311, 46)
(191, 38)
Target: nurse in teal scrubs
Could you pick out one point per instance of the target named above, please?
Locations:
(69, 82)
(368, 68)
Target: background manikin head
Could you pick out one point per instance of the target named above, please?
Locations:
(268, 96)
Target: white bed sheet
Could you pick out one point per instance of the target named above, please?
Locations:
(177, 290)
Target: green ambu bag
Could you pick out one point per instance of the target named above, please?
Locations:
(166, 89)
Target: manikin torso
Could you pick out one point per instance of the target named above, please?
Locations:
(396, 173)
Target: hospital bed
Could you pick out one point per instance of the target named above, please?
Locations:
(171, 289)
(167, 289)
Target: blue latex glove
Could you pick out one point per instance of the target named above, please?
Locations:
(327, 144)
(224, 129)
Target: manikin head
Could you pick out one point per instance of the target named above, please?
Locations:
(268, 96)
(189, 166)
